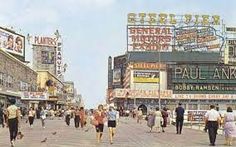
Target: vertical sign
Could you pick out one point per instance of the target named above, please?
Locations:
(59, 60)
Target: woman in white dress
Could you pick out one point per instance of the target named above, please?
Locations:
(158, 120)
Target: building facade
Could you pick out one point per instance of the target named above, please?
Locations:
(15, 78)
(175, 58)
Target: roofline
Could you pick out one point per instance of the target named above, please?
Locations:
(51, 75)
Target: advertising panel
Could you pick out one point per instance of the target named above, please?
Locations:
(117, 76)
(59, 66)
(34, 96)
(196, 115)
(48, 57)
(12, 42)
(199, 78)
(69, 88)
(198, 39)
(204, 96)
(128, 93)
(146, 77)
(169, 32)
(147, 66)
(45, 41)
(149, 38)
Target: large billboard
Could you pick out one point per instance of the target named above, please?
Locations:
(12, 42)
(203, 77)
(146, 76)
(169, 32)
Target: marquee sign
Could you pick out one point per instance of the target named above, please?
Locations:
(172, 19)
(128, 93)
(147, 66)
(45, 41)
(59, 66)
(149, 38)
(199, 78)
(168, 32)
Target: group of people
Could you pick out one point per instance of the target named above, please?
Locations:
(213, 121)
(78, 114)
(157, 119)
(101, 116)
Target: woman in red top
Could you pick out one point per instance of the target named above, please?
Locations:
(99, 115)
(82, 116)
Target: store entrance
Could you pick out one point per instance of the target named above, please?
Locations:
(143, 108)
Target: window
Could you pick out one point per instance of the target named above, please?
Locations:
(9, 81)
(232, 51)
(1, 79)
(23, 86)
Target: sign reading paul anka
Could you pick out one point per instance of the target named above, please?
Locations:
(203, 78)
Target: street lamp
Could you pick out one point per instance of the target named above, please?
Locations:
(159, 87)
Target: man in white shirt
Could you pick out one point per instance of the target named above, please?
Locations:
(212, 121)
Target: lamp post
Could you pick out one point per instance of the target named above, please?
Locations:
(159, 87)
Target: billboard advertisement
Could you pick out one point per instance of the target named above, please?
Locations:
(34, 96)
(59, 65)
(169, 32)
(146, 77)
(117, 76)
(231, 44)
(48, 57)
(191, 38)
(203, 77)
(149, 38)
(69, 87)
(130, 93)
(12, 42)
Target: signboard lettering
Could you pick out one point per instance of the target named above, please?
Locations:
(47, 41)
(172, 19)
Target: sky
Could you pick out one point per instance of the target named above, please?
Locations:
(92, 30)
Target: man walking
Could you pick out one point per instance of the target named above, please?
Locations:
(212, 121)
(179, 118)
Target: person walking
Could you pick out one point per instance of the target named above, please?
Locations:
(112, 120)
(82, 117)
(229, 126)
(1, 116)
(68, 116)
(43, 116)
(213, 121)
(158, 120)
(31, 116)
(179, 118)
(164, 118)
(99, 116)
(13, 119)
(77, 117)
(150, 120)
(139, 116)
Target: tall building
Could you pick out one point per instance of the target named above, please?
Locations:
(175, 58)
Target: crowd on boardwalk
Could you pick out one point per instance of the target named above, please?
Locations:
(157, 120)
